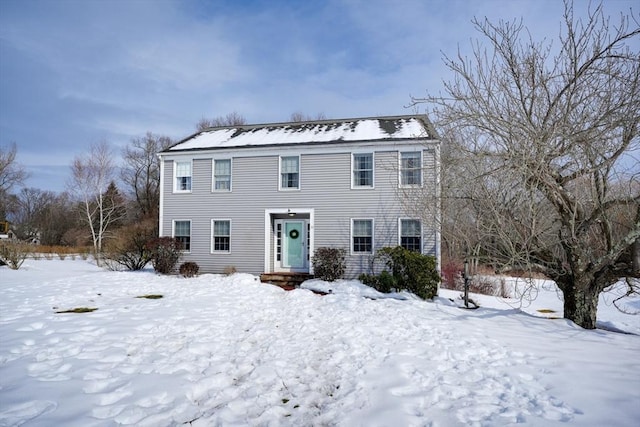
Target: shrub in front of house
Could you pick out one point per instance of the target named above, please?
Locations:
(383, 282)
(165, 253)
(329, 263)
(189, 269)
(129, 247)
(410, 271)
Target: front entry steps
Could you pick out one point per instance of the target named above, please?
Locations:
(286, 281)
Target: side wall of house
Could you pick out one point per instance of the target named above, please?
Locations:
(325, 187)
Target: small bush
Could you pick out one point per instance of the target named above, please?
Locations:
(229, 270)
(482, 285)
(189, 269)
(13, 254)
(384, 282)
(129, 247)
(412, 271)
(329, 263)
(452, 274)
(165, 253)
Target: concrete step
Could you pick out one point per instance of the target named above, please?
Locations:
(286, 281)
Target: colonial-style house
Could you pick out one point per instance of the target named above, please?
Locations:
(261, 198)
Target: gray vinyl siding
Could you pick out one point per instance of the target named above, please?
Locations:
(325, 187)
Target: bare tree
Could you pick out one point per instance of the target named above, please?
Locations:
(231, 119)
(33, 203)
(141, 172)
(544, 146)
(58, 220)
(91, 175)
(11, 173)
(301, 117)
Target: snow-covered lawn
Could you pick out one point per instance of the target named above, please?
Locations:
(226, 351)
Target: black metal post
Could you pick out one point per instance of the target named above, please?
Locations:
(466, 283)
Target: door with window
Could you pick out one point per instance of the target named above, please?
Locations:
(291, 245)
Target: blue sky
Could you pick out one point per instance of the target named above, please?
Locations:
(76, 72)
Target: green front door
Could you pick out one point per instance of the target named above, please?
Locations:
(294, 247)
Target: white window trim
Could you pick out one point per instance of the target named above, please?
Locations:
(212, 250)
(175, 177)
(373, 171)
(421, 231)
(400, 185)
(213, 175)
(373, 237)
(280, 173)
(173, 232)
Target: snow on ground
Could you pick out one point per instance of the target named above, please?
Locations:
(231, 351)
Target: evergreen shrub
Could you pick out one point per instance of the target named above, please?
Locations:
(411, 271)
(384, 282)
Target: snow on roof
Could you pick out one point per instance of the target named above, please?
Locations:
(363, 129)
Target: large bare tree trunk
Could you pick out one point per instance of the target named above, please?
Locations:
(581, 303)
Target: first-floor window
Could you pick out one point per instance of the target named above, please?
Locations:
(221, 235)
(411, 234)
(182, 232)
(362, 235)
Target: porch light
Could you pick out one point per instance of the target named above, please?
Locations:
(290, 213)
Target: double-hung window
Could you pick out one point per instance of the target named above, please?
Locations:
(183, 176)
(182, 232)
(411, 169)
(362, 236)
(222, 175)
(411, 234)
(221, 230)
(290, 173)
(362, 165)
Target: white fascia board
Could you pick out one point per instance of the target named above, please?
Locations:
(347, 147)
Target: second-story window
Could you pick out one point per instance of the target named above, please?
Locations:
(183, 176)
(362, 170)
(222, 175)
(290, 173)
(411, 169)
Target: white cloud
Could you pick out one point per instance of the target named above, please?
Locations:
(115, 70)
